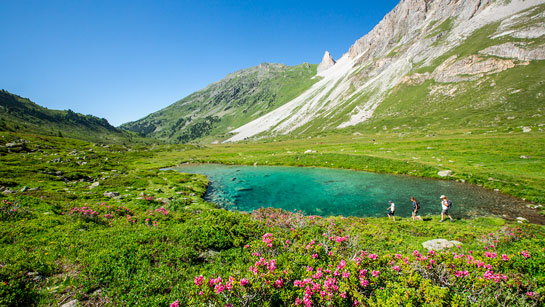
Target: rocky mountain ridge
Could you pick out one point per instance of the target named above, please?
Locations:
(418, 39)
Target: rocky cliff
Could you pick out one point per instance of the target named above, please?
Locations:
(433, 45)
(327, 62)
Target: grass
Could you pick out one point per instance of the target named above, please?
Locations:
(125, 250)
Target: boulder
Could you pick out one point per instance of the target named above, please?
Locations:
(440, 244)
(94, 185)
(111, 194)
(72, 303)
(444, 173)
(521, 220)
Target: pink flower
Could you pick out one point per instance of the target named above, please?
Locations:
(342, 264)
(198, 280)
(461, 273)
(373, 257)
(530, 294)
(243, 282)
(342, 294)
(504, 257)
(297, 301)
(346, 274)
(176, 303)
(364, 282)
(314, 256)
(526, 254)
(376, 273)
(279, 283)
(396, 268)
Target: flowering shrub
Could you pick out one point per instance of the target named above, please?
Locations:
(12, 210)
(328, 269)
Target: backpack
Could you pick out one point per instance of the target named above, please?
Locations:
(449, 203)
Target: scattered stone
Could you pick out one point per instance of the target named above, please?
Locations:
(444, 173)
(521, 220)
(440, 244)
(526, 129)
(8, 191)
(209, 254)
(496, 190)
(73, 153)
(309, 151)
(94, 185)
(111, 194)
(524, 157)
(72, 303)
(16, 147)
(24, 189)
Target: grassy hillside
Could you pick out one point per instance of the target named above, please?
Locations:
(210, 114)
(22, 115)
(102, 225)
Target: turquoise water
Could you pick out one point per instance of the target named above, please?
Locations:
(327, 192)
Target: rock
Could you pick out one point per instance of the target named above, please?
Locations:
(111, 194)
(8, 191)
(24, 189)
(469, 68)
(72, 303)
(521, 220)
(444, 173)
(94, 185)
(73, 152)
(515, 51)
(327, 62)
(309, 151)
(16, 147)
(440, 244)
(209, 254)
(526, 129)
(524, 157)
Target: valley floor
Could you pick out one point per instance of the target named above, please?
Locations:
(103, 225)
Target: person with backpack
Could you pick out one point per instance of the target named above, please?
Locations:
(446, 205)
(392, 210)
(416, 207)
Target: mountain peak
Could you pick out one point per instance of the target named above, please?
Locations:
(327, 62)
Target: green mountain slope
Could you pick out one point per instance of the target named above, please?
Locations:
(211, 113)
(22, 115)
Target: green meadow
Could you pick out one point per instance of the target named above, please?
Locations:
(102, 224)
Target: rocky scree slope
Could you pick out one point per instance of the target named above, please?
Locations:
(428, 65)
(209, 114)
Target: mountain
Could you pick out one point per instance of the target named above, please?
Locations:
(22, 115)
(211, 113)
(428, 65)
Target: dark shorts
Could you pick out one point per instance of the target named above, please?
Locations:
(391, 213)
(415, 212)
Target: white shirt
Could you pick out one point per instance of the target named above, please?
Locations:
(444, 204)
(392, 207)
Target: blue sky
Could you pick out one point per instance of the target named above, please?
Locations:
(122, 60)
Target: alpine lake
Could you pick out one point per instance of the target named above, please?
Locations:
(339, 192)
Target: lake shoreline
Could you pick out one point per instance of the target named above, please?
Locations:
(522, 207)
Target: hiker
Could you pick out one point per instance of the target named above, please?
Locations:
(392, 210)
(446, 204)
(416, 207)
